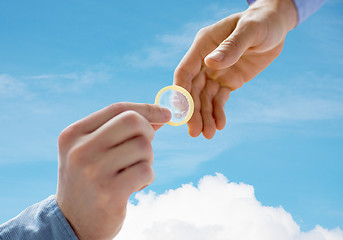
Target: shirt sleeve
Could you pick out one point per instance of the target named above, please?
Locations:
(41, 221)
(305, 8)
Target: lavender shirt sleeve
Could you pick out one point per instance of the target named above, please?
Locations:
(305, 8)
(41, 221)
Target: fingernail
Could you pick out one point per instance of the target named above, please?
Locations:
(216, 56)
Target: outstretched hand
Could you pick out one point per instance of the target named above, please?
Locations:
(228, 54)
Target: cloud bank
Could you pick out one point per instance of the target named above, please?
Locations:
(214, 210)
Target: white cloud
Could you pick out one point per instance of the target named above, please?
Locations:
(70, 82)
(28, 86)
(214, 210)
(11, 87)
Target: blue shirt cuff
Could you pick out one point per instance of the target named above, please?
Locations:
(306, 8)
(41, 221)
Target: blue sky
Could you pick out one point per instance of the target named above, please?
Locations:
(61, 61)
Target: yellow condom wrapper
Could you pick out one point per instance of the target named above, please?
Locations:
(178, 101)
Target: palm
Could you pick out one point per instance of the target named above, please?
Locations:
(209, 85)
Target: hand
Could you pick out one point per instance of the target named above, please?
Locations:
(228, 54)
(103, 159)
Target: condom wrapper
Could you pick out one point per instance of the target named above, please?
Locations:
(178, 101)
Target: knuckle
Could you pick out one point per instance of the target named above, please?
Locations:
(206, 111)
(143, 143)
(133, 119)
(230, 43)
(149, 109)
(114, 107)
(182, 73)
(68, 134)
(211, 88)
(217, 101)
(63, 138)
(78, 155)
(145, 146)
(234, 83)
(197, 89)
(146, 171)
(138, 124)
(202, 33)
(238, 83)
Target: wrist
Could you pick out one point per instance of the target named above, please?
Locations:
(288, 12)
(286, 9)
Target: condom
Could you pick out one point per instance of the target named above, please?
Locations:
(178, 101)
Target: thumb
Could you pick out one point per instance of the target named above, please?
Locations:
(154, 113)
(231, 49)
(163, 118)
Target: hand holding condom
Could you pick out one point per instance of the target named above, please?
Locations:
(178, 101)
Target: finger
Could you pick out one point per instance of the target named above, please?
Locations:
(232, 48)
(195, 124)
(134, 178)
(209, 125)
(156, 126)
(206, 40)
(123, 156)
(153, 113)
(123, 127)
(192, 63)
(219, 107)
(189, 67)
